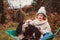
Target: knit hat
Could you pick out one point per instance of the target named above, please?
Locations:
(42, 10)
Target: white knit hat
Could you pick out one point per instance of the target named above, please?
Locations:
(42, 10)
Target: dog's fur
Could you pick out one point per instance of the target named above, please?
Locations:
(31, 32)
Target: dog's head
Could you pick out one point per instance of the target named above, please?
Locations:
(29, 30)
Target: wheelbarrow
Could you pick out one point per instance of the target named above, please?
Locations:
(13, 34)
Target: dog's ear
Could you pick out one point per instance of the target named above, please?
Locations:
(21, 23)
(19, 28)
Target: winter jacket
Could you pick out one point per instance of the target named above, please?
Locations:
(42, 25)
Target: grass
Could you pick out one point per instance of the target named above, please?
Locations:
(4, 36)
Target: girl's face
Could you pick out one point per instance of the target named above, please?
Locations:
(40, 17)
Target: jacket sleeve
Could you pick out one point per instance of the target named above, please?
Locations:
(47, 29)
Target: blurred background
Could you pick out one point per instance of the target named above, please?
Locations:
(14, 11)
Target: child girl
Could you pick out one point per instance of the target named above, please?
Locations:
(41, 23)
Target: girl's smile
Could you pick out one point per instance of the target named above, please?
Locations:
(40, 17)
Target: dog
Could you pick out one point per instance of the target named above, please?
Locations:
(30, 32)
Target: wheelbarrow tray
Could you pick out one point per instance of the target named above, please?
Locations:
(13, 34)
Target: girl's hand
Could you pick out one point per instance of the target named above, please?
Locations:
(41, 31)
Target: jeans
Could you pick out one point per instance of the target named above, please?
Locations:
(46, 36)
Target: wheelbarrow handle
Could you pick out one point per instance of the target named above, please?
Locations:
(57, 32)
